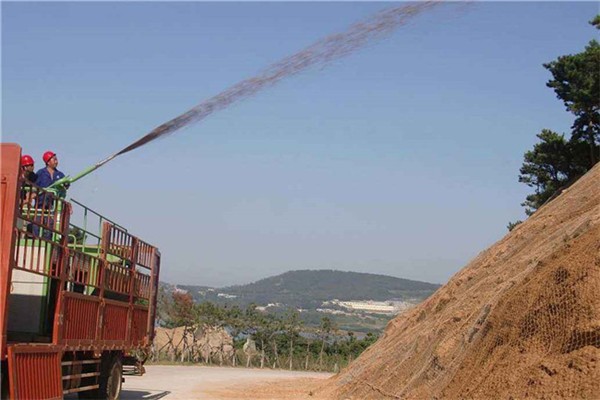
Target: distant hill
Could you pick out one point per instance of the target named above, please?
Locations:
(309, 288)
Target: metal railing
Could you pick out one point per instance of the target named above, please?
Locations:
(104, 278)
(85, 228)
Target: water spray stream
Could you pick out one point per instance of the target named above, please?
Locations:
(319, 53)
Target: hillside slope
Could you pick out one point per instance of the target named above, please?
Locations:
(328, 284)
(520, 320)
(309, 288)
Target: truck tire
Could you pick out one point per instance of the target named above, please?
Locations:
(111, 378)
(110, 386)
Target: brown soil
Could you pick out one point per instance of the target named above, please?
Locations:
(281, 389)
(521, 320)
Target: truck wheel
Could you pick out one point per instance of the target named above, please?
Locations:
(110, 386)
(110, 382)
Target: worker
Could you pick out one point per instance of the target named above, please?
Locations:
(29, 177)
(49, 174)
(46, 177)
(27, 166)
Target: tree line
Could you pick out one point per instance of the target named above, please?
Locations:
(558, 160)
(260, 339)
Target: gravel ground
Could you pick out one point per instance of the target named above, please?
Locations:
(216, 383)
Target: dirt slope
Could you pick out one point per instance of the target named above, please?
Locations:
(520, 320)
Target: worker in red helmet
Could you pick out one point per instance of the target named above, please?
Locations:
(46, 201)
(49, 174)
(27, 166)
(29, 177)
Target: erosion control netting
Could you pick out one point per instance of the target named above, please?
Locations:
(521, 320)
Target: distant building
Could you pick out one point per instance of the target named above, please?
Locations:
(226, 296)
(270, 305)
(379, 307)
(332, 311)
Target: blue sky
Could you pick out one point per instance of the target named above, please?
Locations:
(400, 159)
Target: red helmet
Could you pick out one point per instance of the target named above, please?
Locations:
(26, 160)
(48, 155)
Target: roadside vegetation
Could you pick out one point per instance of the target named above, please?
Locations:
(257, 339)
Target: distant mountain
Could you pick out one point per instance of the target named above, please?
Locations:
(308, 289)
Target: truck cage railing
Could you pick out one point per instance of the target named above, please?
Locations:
(82, 234)
(109, 266)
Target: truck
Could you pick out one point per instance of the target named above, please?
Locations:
(78, 294)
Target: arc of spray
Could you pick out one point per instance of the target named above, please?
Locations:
(321, 52)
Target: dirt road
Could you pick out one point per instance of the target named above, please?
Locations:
(217, 383)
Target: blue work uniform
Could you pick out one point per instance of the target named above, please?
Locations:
(44, 180)
(44, 201)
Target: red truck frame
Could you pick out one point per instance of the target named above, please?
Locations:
(77, 308)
